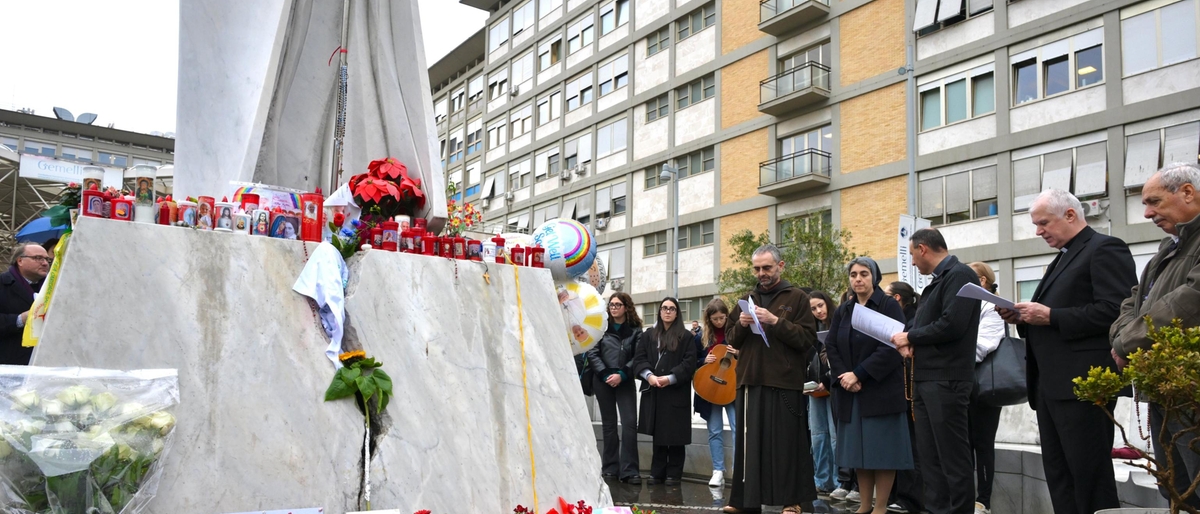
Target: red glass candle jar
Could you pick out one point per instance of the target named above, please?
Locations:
(500, 250)
(537, 257)
(391, 235)
(474, 250)
(460, 247)
(377, 237)
(518, 256)
(122, 209)
(446, 247)
(429, 244)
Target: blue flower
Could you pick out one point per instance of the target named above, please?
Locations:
(347, 232)
(355, 223)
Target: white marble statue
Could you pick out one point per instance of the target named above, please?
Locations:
(258, 95)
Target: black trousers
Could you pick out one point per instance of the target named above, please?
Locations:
(984, 420)
(943, 444)
(1077, 440)
(1187, 462)
(667, 462)
(620, 454)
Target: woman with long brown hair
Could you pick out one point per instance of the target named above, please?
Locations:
(612, 361)
(716, 314)
(665, 361)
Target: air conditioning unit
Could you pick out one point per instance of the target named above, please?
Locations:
(1092, 208)
(566, 174)
(514, 91)
(581, 169)
(508, 196)
(486, 202)
(601, 223)
(617, 283)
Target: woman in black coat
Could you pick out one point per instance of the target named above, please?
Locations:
(612, 361)
(868, 388)
(665, 361)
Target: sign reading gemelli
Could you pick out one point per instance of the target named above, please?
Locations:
(55, 170)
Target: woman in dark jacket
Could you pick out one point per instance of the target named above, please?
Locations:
(716, 314)
(868, 387)
(820, 416)
(908, 298)
(665, 361)
(612, 361)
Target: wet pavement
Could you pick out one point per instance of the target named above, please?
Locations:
(692, 497)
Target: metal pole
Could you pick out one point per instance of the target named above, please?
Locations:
(675, 267)
(910, 102)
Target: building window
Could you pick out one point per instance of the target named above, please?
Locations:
(696, 92)
(1054, 61)
(1158, 38)
(957, 98)
(497, 135)
(522, 70)
(696, 162)
(457, 100)
(650, 314)
(789, 226)
(578, 208)
(456, 147)
(522, 18)
(498, 35)
(498, 85)
(797, 74)
(474, 136)
(613, 15)
(690, 309)
(658, 108)
(655, 244)
(40, 148)
(78, 154)
(610, 200)
(816, 139)
(1081, 171)
(9, 142)
(696, 234)
(581, 34)
(652, 174)
(958, 197)
(577, 151)
(549, 53)
(611, 138)
(521, 122)
(548, 212)
(475, 89)
(614, 75)
(658, 41)
(614, 260)
(549, 108)
(548, 165)
(473, 184)
(932, 17)
(696, 21)
(520, 175)
(1146, 152)
(579, 92)
(439, 110)
(546, 7)
(108, 158)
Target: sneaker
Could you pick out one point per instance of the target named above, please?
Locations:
(980, 509)
(839, 494)
(718, 478)
(853, 497)
(897, 508)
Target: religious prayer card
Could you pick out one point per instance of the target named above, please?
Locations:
(975, 292)
(756, 327)
(876, 325)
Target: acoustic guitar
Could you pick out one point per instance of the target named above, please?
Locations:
(716, 381)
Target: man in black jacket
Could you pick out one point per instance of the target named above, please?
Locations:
(30, 264)
(1065, 327)
(942, 345)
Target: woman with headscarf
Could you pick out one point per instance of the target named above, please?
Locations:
(665, 361)
(868, 389)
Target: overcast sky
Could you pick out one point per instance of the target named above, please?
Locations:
(119, 58)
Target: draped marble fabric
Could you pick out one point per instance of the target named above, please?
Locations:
(258, 94)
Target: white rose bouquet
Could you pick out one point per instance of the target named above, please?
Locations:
(83, 441)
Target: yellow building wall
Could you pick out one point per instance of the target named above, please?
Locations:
(739, 165)
(739, 89)
(872, 129)
(871, 213)
(872, 40)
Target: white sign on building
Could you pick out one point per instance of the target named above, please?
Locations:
(904, 265)
(54, 170)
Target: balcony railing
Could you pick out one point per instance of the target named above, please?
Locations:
(780, 16)
(811, 74)
(810, 162)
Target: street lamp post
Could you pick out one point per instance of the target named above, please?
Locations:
(672, 173)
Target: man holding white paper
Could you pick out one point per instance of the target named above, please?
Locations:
(942, 344)
(773, 463)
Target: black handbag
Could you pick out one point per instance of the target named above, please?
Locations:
(1000, 378)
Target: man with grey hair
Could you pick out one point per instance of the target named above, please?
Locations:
(30, 264)
(773, 462)
(1169, 289)
(1065, 326)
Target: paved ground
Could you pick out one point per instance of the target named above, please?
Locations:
(695, 497)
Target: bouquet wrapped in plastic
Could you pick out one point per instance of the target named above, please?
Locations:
(83, 441)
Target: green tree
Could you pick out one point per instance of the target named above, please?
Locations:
(814, 252)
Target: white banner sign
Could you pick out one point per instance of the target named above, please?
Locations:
(48, 168)
(904, 265)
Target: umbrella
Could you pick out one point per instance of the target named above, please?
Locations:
(39, 231)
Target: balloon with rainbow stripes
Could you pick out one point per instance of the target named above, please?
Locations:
(570, 248)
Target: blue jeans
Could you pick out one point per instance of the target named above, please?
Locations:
(716, 445)
(824, 442)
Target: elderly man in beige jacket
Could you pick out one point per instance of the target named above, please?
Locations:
(1169, 289)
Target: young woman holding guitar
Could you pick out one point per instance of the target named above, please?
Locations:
(710, 347)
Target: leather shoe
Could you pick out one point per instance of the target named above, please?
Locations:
(608, 475)
(633, 480)
(652, 480)
(671, 481)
